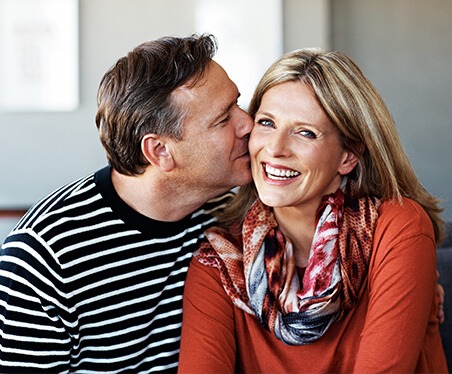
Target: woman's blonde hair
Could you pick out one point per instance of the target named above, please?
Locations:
(362, 118)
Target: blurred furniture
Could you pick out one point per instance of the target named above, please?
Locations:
(8, 219)
(444, 260)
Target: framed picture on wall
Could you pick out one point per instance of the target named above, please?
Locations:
(39, 55)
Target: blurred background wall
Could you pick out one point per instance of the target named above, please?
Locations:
(403, 46)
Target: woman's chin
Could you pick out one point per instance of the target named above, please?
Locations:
(273, 201)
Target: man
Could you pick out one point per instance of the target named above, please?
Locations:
(91, 279)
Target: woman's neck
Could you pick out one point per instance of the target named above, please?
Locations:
(298, 225)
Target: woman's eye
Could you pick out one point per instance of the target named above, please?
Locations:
(265, 122)
(308, 134)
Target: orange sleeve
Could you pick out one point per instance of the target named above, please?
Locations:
(402, 280)
(208, 335)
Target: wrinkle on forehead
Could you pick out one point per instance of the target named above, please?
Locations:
(188, 89)
(207, 99)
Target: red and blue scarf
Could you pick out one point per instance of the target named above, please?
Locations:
(258, 270)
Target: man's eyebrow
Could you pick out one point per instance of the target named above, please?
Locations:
(233, 103)
(224, 110)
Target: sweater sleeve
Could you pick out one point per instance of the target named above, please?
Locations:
(33, 336)
(208, 335)
(401, 281)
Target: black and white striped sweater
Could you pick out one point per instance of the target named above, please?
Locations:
(89, 285)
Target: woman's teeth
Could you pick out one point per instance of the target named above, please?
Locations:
(280, 174)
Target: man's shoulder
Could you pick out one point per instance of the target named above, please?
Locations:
(61, 201)
(206, 214)
(219, 202)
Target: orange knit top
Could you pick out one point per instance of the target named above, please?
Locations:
(394, 328)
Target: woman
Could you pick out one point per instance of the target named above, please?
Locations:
(336, 258)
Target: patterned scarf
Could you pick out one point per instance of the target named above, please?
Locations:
(262, 279)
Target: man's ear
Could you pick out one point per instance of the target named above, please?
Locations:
(349, 161)
(157, 151)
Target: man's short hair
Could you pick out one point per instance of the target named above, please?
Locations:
(135, 95)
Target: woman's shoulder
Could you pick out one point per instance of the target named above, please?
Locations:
(403, 219)
(407, 207)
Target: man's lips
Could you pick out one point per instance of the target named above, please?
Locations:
(243, 153)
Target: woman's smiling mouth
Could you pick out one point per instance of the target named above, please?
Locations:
(279, 173)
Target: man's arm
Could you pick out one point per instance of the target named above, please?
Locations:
(33, 334)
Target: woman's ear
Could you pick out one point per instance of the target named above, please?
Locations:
(157, 151)
(349, 161)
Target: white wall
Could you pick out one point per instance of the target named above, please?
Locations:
(405, 48)
(307, 24)
(6, 225)
(403, 45)
(41, 151)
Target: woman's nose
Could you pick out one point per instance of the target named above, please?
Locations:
(278, 144)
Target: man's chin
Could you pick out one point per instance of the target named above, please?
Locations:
(245, 178)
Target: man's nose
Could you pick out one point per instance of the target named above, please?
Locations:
(244, 124)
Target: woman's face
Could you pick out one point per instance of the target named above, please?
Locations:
(296, 156)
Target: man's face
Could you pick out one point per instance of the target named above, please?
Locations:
(213, 155)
